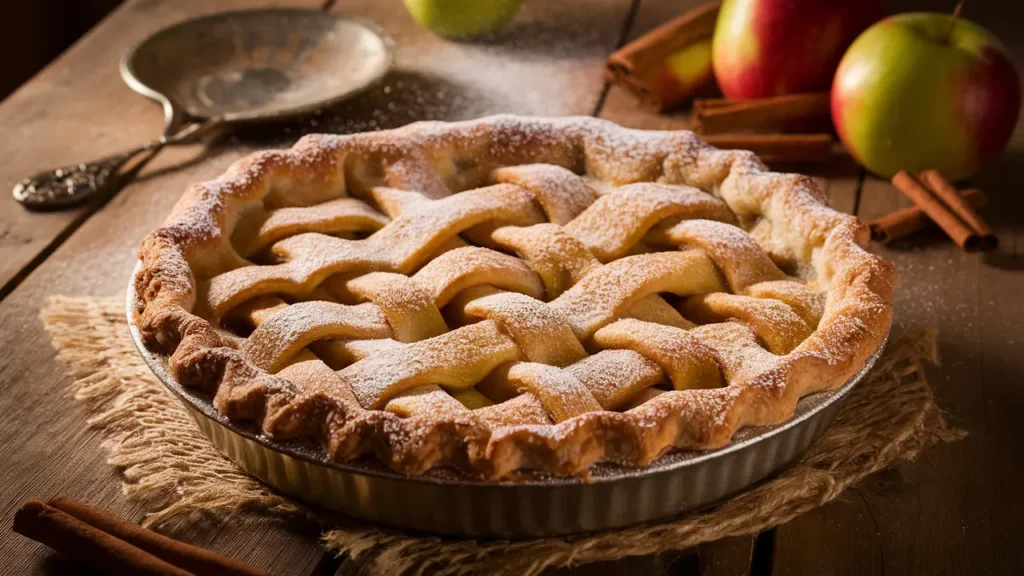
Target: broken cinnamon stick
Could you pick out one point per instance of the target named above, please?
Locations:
(925, 199)
(902, 223)
(199, 561)
(88, 544)
(949, 195)
(644, 66)
(778, 148)
(808, 112)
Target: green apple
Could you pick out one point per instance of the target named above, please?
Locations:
(910, 95)
(462, 18)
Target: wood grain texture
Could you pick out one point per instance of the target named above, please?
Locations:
(726, 557)
(48, 448)
(78, 109)
(43, 437)
(669, 563)
(954, 510)
(547, 62)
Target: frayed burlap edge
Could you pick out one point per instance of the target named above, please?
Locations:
(167, 462)
(164, 459)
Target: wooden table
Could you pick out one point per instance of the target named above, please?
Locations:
(953, 510)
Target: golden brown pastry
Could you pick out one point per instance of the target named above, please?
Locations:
(510, 294)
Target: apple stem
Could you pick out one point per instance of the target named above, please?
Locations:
(952, 21)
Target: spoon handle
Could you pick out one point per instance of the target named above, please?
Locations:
(73, 185)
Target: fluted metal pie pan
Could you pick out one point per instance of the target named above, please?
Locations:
(449, 503)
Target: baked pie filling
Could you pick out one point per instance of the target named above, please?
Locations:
(510, 294)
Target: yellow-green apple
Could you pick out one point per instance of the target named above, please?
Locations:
(765, 48)
(462, 18)
(913, 93)
(685, 74)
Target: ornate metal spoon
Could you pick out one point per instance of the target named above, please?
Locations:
(76, 184)
(225, 69)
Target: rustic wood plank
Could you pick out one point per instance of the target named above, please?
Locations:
(955, 509)
(854, 546)
(42, 434)
(727, 557)
(997, 392)
(840, 181)
(933, 515)
(548, 62)
(667, 564)
(74, 110)
(949, 511)
(78, 109)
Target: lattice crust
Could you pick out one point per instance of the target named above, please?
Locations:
(510, 294)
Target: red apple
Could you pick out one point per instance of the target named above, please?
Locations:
(765, 48)
(909, 95)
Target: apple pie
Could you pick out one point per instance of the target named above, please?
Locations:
(509, 294)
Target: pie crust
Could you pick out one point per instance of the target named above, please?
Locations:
(510, 294)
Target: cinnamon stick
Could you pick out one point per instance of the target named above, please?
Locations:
(949, 195)
(808, 112)
(643, 65)
(700, 104)
(87, 544)
(902, 223)
(930, 204)
(778, 148)
(199, 561)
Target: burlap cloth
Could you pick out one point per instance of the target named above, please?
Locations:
(167, 463)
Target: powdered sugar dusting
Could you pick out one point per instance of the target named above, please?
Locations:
(571, 193)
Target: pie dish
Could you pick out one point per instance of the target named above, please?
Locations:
(510, 294)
